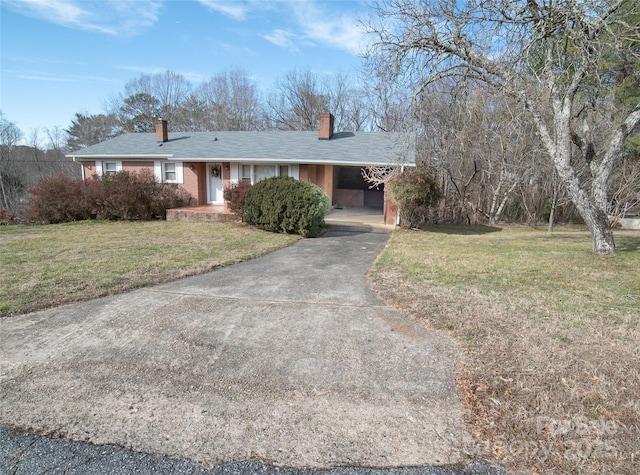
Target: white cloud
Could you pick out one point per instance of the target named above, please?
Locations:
(324, 25)
(307, 21)
(39, 77)
(112, 17)
(233, 8)
(54, 77)
(282, 38)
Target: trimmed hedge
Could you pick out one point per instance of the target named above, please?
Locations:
(286, 205)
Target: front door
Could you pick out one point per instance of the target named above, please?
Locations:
(215, 183)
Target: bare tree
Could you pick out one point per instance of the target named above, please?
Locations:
(55, 154)
(626, 186)
(228, 101)
(169, 89)
(37, 153)
(356, 113)
(390, 104)
(546, 54)
(347, 101)
(150, 96)
(297, 101)
(10, 183)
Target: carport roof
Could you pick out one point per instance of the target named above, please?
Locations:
(344, 148)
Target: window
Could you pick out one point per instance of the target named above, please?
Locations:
(109, 168)
(246, 172)
(169, 172)
(261, 172)
(256, 172)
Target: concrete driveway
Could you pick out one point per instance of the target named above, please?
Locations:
(290, 359)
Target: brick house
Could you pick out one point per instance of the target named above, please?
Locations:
(203, 163)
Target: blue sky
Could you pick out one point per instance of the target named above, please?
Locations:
(59, 57)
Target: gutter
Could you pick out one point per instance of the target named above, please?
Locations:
(119, 156)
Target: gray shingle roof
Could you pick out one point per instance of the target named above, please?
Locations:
(344, 148)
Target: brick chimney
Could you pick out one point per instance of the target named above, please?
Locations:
(325, 131)
(162, 133)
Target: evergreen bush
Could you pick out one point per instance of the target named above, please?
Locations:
(287, 205)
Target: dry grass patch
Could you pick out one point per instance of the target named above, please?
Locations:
(44, 266)
(551, 374)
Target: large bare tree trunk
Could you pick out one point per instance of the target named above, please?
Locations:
(591, 206)
(594, 217)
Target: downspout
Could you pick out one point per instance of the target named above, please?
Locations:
(398, 212)
(81, 167)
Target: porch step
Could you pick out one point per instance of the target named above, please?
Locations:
(199, 216)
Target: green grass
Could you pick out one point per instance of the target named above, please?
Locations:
(48, 265)
(548, 329)
(558, 269)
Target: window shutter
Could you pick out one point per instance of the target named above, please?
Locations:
(179, 172)
(157, 170)
(294, 171)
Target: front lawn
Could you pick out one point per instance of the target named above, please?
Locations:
(42, 266)
(550, 335)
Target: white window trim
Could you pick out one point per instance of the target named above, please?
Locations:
(100, 166)
(294, 169)
(158, 171)
(235, 172)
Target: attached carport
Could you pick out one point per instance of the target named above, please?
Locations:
(352, 190)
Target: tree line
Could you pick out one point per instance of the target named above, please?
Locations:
(26, 160)
(230, 100)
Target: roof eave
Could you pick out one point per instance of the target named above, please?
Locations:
(75, 156)
(80, 157)
(301, 162)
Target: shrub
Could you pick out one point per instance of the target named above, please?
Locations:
(415, 192)
(235, 194)
(122, 196)
(132, 196)
(6, 217)
(284, 204)
(60, 199)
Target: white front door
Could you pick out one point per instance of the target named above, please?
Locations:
(215, 183)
